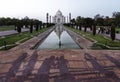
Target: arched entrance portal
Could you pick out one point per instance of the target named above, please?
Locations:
(58, 20)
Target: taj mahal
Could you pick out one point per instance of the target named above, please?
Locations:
(59, 18)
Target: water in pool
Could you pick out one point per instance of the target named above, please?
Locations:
(58, 39)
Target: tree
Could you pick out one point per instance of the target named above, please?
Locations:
(31, 25)
(113, 32)
(85, 26)
(15, 22)
(37, 26)
(26, 21)
(19, 26)
(40, 24)
(36, 22)
(116, 16)
(100, 21)
(79, 21)
(98, 16)
(107, 21)
(73, 22)
(43, 25)
(94, 30)
(88, 22)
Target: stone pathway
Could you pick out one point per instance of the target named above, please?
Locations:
(23, 64)
(5, 33)
(62, 66)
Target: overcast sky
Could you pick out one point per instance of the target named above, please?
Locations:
(39, 8)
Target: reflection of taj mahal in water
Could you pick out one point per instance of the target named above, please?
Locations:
(59, 18)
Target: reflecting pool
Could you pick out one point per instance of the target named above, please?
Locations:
(58, 39)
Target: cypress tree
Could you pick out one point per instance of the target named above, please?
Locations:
(80, 27)
(94, 30)
(40, 26)
(37, 26)
(31, 26)
(113, 32)
(19, 26)
(85, 28)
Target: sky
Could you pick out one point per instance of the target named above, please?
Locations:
(38, 8)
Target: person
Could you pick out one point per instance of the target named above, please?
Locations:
(98, 30)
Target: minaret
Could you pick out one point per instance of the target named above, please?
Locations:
(64, 20)
(53, 20)
(69, 17)
(50, 18)
(47, 17)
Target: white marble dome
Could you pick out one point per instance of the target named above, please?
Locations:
(59, 18)
(59, 12)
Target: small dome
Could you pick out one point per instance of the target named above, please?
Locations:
(59, 12)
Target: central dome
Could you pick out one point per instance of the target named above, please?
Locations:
(59, 12)
(58, 18)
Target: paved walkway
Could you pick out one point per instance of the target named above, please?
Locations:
(61, 66)
(5, 33)
(23, 64)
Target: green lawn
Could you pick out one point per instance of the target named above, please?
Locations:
(20, 37)
(102, 41)
(5, 28)
(118, 29)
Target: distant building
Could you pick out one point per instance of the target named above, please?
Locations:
(98, 16)
(59, 18)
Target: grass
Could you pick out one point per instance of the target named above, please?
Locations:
(118, 29)
(101, 41)
(20, 37)
(5, 28)
(8, 47)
